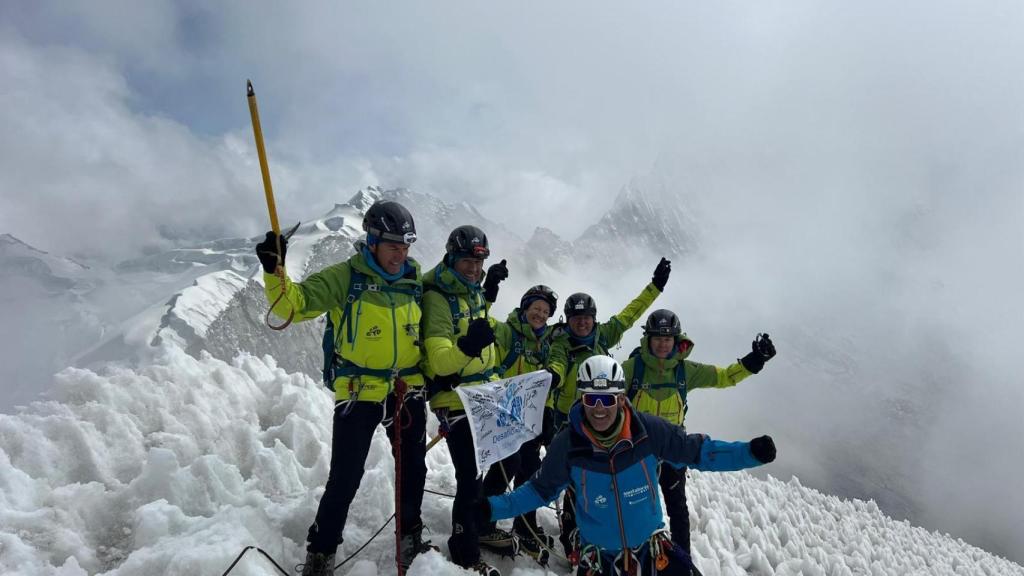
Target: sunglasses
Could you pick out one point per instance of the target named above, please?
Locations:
(591, 399)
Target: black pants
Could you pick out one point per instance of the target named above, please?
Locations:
(568, 521)
(464, 544)
(354, 424)
(673, 487)
(529, 463)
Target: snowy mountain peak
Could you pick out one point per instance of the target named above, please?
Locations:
(646, 220)
(363, 199)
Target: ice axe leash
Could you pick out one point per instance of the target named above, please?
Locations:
(268, 190)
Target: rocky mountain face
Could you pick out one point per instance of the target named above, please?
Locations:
(642, 224)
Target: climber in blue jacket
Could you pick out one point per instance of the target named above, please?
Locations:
(610, 454)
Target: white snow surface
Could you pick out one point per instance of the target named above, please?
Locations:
(176, 466)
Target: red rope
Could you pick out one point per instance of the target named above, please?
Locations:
(396, 422)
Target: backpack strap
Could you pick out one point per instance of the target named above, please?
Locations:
(637, 383)
(514, 352)
(453, 307)
(638, 376)
(330, 353)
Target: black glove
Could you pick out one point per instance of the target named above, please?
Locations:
(763, 448)
(547, 433)
(495, 274)
(762, 350)
(555, 378)
(661, 274)
(440, 383)
(266, 251)
(478, 336)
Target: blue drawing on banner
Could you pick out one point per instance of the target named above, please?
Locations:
(510, 408)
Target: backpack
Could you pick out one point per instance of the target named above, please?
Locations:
(643, 401)
(334, 366)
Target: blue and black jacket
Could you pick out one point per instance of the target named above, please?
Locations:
(617, 501)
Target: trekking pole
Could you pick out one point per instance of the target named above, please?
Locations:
(268, 190)
(433, 442)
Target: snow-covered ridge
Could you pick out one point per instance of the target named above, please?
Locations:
(174, 467)
(197, 306)
(52, 272)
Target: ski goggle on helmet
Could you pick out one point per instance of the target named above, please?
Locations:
(600, 380)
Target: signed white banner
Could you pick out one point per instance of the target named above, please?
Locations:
(505, 413)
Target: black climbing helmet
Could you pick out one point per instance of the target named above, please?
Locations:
(580, 304)
(663, 323)
(390, 222)
(467, 242)
(540, 292)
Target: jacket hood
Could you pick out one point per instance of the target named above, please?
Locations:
(665, 363)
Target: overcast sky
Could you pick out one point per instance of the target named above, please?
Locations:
(131, 118)
(856, 167)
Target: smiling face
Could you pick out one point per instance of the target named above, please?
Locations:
(661, 346)
(537, 314)
(470, 268)
(581, 325)
(601, 417)
(391, 256)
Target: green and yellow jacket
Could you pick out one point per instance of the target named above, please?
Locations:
(443, 293)
(659, 390)
(520, 350)
(381, 332)
(568, 352)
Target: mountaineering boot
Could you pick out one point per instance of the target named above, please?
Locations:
(318, 564)
(538, 549)
(413, 545)
(484, 569)
(499, 541)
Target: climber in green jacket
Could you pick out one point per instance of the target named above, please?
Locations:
(458, 336)
(373, 304)
(524, 344)
(659, 374)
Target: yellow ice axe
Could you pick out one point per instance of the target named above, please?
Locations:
(268, 190)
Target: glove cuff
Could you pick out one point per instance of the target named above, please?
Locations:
(753, 362)
(491, 293)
